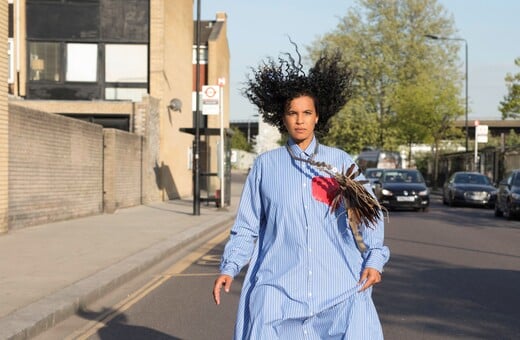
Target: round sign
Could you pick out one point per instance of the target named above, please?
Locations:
(210, 92)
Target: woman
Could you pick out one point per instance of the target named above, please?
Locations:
(307, 278)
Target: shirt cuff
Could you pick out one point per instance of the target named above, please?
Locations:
(228, 269)
(376, 260)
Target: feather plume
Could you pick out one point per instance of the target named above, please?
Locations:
(361, 206)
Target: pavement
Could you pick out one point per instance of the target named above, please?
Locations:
(47, 272)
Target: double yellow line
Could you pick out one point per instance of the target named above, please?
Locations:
(94, 326)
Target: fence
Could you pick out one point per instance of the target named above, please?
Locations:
(493, 162)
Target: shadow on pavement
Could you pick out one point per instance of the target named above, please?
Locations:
(117, 328)
(429, 298)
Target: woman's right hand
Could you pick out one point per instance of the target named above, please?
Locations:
(222, 281)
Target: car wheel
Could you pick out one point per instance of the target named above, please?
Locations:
(498, 212)
(444, 199)
(425, 209)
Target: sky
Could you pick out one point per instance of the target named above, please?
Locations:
(260, 29)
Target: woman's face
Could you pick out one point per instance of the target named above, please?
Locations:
(300, 119)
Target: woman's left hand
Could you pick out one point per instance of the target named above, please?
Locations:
(371, 276)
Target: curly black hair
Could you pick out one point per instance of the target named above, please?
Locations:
(275, 83)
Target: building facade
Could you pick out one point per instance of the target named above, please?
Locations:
(4, 141)
(119, 64)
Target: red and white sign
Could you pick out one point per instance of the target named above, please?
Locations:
(221, 81)
(210, 100)
(481, 133)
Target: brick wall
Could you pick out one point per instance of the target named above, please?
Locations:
(122, 169)
(4, 146)
(147, 125)
(55, 167)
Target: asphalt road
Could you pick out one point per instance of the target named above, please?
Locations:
(454, 273)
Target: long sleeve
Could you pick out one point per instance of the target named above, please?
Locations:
(244, 232)
(377, 254)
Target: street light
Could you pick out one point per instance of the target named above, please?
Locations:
(436, 37)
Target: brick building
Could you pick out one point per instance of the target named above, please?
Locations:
(118, 64)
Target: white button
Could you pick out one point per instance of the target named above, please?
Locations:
(310, 272)
(304, 184)
(305, 331)
(306, 206)
(310, 250)
(310, 294)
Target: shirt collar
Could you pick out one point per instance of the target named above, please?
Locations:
(309, 151)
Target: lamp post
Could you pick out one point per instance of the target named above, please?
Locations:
(436, 37)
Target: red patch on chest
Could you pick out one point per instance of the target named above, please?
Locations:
(324, 189)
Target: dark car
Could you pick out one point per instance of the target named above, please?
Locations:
(508, 196)
(469, 188)
(402, 189)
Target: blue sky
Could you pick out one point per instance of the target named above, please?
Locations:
(258, 29)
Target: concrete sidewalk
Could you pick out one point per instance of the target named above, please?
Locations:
(48, 271)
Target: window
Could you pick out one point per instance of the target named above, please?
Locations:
(126, 63)
(125, 93)
(10, 60)
(44, 61)
(82, 62)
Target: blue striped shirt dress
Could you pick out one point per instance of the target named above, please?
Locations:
(303, 262)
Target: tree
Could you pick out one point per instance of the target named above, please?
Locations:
(239, 141)
(510, 106)
(384, 41)
(425, 111)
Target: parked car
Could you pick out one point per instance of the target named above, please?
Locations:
(508, 195)
(402, 189)
(469, 188)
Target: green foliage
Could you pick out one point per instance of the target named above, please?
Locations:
(510, 106)
(239, 141)
(407, 86)
(512, 139)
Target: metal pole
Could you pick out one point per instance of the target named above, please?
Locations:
(466, 88)
(475, 159)
(222, 151)
(196, 147)
(248, 131)
(436, 37)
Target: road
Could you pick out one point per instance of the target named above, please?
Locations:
(454, 273)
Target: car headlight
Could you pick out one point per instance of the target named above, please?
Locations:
(387, 192)
(423, 193)
(515, 196)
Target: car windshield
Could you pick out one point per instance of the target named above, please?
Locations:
(373, 173)
(403, 176)
(472, 179)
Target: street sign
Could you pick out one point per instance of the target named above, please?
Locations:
(210, 100)
(221, 81)
(481, 133)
